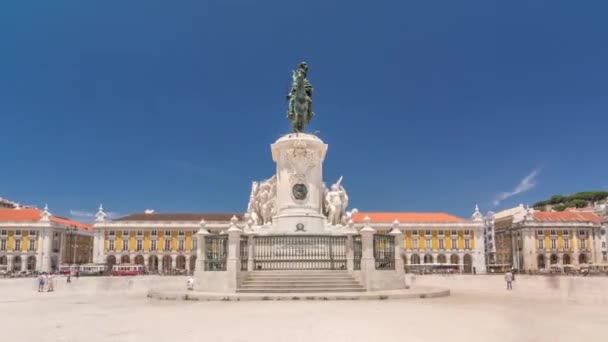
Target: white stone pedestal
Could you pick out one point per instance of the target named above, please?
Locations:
(299, 194)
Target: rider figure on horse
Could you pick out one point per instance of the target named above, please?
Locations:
(299, 123)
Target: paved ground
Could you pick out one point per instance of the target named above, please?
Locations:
(116, 310)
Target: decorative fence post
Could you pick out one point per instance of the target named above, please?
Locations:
(368, 263)
(398, 234)
(350, 247)
(233, 266)
(200, 248)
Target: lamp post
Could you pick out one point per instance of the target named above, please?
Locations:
(71, 230)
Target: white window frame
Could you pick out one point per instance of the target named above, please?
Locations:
(17, 232)
(566, 232)
(167, 246)
(32, 233)
(154, 233)
(140, 245)
(18, 242)
(4, 232)
(415, 243)
(467, 243)
(125, 243)
(541, 243)
(553, 243)
(553, 232)
(153, 245)
(194, 243)
(428, 232)
(454, 233)
(140, 233)
(467, 232)
(125, 233)
(583, 243)
(31, 244)
(181, 244)
(112, 233)
(3, 244)
(566, 243)
(441, 243)
(428, 243)
(167, 233)
(111, 245)
(181, 233)
(454, 243)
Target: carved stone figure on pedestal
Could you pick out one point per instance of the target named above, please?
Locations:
(261, 201)
(336, 201)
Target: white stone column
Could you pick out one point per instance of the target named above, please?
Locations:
(250, 252)
(368, 264)
(478, 253)
(46, 248)
(529, 249)
(200, 250)
(398, 235)
(233, 265)
(98, 245)
(350, 246)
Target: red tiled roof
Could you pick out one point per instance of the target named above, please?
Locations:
(19, 214)
(67, 222)
(179, 217)
(408, 217)
(34, 215)
(566, 216)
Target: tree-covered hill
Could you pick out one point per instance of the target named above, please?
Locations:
(578, 200)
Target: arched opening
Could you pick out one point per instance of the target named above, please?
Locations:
(54, 263)
(3, 263)
(442, 259)
(139, 259)
(553, 259)
(582, 258)
(192, 263)
(125, 259)
(110, 261)
(566, 259)
(153, 263)
(415, 259)
(540, 262)
(468, 263)
(428, 259)
(180, 262)
(31, 263)
(16, 263)
(454, 259)
(166, 263)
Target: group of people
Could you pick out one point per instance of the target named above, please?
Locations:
(45, 281)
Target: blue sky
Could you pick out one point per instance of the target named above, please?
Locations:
(425, 105)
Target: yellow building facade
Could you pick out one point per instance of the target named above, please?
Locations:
(35, 240)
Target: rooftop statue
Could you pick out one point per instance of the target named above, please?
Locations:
(299, 110)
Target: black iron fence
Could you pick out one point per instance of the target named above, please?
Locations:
(310, 252)
(244, 252)
(216, 251)
(357, 249)
(384, 252)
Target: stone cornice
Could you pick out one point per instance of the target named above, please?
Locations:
(422, 225)
(118, 225)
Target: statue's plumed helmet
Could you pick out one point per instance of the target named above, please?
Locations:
(304, 65)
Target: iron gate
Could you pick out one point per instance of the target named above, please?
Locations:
(310, 252)
(384, 252)
(357, 249)
(216, 249)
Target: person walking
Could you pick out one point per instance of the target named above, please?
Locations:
(50, 287)
(509, 280)
(40, 283)
(190, 284)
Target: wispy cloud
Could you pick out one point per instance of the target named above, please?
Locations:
(524, 185)
(89, 215)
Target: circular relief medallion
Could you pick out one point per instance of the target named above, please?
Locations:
(300, 191)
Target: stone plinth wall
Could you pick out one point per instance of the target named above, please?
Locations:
(580, 289)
